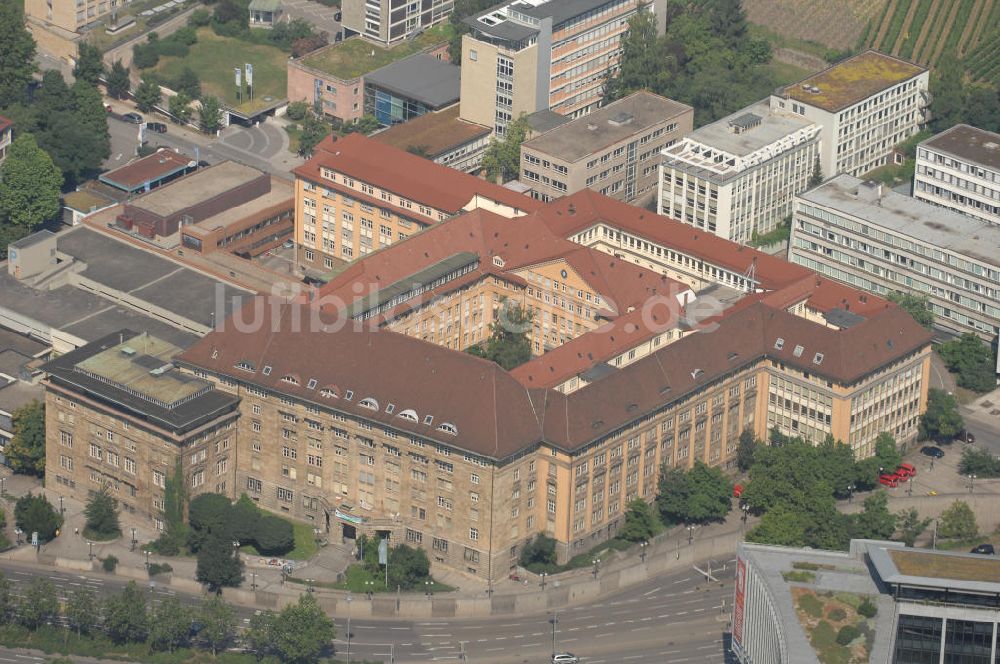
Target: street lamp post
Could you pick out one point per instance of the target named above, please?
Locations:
(554, 620)
(348, 628)
(850, 493)
(309, 587)
(134, 542)
(690, 530)
(543, 575)
(91, 554)
(909, 486)
(368, 588)
(972, 481)
(147, 558)
(253, 580)
(62, 510)
(745, 508)
(597, 564)
(642, 550)
(427, 589)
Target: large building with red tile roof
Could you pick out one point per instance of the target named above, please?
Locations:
(363, 413)
(356, 195)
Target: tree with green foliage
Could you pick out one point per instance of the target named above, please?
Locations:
(218, 620)
(244, 517)
(978, 463)
(502, 159)
(745, 450)
(409, 567)
(258, 634)
(169, 625)
(366, 124)
(7, 600)
(885, 460)
(875, 521)
(219, 563)
(102, 515)
(118, 81)
(92, 138)
(35, 514)
(40, 604)
(210, 114)
(508, 344)
(180, 107)
(314, 130)
(781, 526)
(297, 110)
(947, 92)
(26, 450)
(17, 55)
(148, 94)
(941, 421)
(643, 59)
(274, 536)
(231, 18)
(982, 107)
(917, 306)
(199, 18)
(189, 83)
(175, 535)
(816, 178)
(126, 618)
(82, 610)
(910, 525)
(89, 63)
(29, 188)
(301, 632)
(209, 514)
(699, 495)
(539, 554)
(958, 522)
(973, 361)
(640, 522)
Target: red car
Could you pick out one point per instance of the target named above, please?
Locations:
(737, 490)
(891, 481)
(906, 471)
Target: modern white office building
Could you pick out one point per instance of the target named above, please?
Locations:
(866, 105)
(880, 240)
(737, 177)
(960, 169)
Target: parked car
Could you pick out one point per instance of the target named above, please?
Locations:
(565, 658)
(984, 549)
(966, 437)
(157, 127)
(737, 490)
(906, 471)
(288, 244)
(337, 17)
(338, 37)
(891, 481)
(932, 451)
(107, 107)
(133, 118)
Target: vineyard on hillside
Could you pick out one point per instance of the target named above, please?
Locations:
(918, 30)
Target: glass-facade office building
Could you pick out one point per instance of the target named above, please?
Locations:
(389, 108)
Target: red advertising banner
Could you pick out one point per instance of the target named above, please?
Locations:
(741, 585)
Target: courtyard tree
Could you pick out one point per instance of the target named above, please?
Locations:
(89, 63)
(102, 515)
(941, 421)
(34, 513)
(958, 522)
(118, 82)
(26, 451)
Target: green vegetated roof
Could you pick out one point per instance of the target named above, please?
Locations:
(355, 57)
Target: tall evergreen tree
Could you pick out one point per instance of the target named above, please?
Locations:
(118, 80)
(91, 118)
(210, 113)
(17, 54)
(148, 94)
(89, 63)
(643, 62)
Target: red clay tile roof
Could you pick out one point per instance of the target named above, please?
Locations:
(590, 208)
(4, 123)
(406, 174)
(521, 243)
(155, 166)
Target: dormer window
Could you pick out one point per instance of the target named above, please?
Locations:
(448, 427)
(349, 395)
(390, 407)
(215, 353)
(290, 379)
(368, 402)
(266, 371)
(409, 414)
(311, 385)
(818, 358)
(779, 343)
(798, 351)
(428, 420)
(697, 373)
(245, 366)
(327, 393)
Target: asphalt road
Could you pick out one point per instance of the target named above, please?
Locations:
(678, 617)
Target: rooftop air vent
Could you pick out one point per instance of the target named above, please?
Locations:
(128, 350)
(744, 123)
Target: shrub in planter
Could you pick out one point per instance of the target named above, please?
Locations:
(847, 634)
(110, 564)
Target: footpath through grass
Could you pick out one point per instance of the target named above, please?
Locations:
(213, 58)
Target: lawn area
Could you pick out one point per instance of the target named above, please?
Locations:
(823, 615)
(785, 74)
(214, 59)
(305, 544)
(356, 576)
(354, 57)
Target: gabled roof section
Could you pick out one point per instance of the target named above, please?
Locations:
(406, 174)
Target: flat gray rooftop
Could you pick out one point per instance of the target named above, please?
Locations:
(607, 126)
(931, 224)
(202, 185)
(158, 281)
(772, 127)
(969, 144)
(77, 312)
(434, 83)
(15, 394)
(546, 120)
